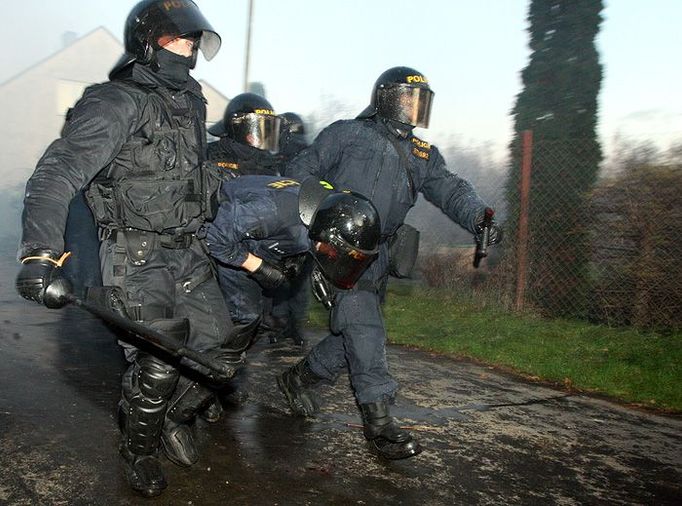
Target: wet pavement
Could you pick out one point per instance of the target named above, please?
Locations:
(489, 438)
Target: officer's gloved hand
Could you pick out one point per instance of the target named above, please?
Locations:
(41, 279)
(293, 265)
(268, 276)
(495, 236)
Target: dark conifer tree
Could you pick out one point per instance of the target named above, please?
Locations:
(559, 104)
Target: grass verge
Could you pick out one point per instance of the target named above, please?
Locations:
(643, 368)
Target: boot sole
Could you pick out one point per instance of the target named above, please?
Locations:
(413, 452)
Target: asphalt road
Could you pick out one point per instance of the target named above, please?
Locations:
(489, 438)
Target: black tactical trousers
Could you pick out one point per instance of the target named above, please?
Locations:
(358, 339)
(245, 298)
(161, 283)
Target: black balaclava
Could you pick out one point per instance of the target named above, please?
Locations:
(173, 69)
(401, 129)
(246, 153)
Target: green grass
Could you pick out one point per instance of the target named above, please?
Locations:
(633, 366)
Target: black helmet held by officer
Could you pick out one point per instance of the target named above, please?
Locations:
(136, 145)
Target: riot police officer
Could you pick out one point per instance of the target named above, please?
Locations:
(249, 136)
(137, 143)
(266, 225)
(377, 155)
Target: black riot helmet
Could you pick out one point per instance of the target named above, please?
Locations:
(346, 231)
(151, 20)
(292, 123)
(401, 94)
(250, 119)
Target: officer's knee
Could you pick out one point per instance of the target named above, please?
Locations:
(154, 378)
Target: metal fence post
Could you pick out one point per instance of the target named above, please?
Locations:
(522, 238)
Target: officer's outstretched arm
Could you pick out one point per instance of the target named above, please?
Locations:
(454, 195)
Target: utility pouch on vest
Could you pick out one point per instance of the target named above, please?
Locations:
(403, 248)
(138, 244)
(142, 204)
(158, 205)
(100, 199)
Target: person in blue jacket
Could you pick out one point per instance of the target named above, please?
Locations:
(377, 155)
(265, 226)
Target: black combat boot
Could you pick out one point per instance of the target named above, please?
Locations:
(386, 437)
(147, 385)
(213, 411)
(295, 384)
(143, 472)
(294, 332)
(178, 443)
(177, 438)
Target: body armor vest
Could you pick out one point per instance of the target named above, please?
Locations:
(156, 182)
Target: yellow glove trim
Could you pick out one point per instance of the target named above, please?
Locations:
(58, 263)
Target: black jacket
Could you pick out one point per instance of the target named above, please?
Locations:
(234, 159)
(259, 215)
(372, 158)
(101, 137)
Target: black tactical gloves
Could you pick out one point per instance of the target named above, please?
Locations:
(495, 234)
(40, 279)
(293, 266)
(487, 234)
(268, 276)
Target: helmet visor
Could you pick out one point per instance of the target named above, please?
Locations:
(180, 18)
(340, 263)
(258, 130)
(407, 104)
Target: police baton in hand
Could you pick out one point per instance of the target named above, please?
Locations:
(156, 339)
(483, 237)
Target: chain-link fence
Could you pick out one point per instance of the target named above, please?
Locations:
(607, 250)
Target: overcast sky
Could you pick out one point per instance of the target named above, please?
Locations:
(306, 51)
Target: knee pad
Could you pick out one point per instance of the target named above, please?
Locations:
(147, 386)
(155, 379)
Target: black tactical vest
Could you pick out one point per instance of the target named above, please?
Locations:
(156, 182)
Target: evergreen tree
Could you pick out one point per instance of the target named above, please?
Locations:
(559, 104)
